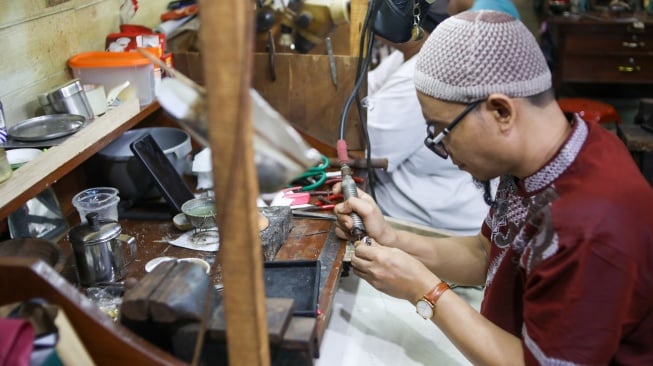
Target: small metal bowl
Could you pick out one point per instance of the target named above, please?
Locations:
(200, 212)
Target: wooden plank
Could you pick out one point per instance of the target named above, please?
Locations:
(299, 343)
(356, 21)
(57, 161)
(136, 302)
(108, 343)
(227, 59)
(300, 331)
(315, 239)
(214, 351)
(304, 94)
(183, 296)
(279, 314)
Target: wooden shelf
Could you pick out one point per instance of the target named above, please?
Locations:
(57, 161)
(108, 343)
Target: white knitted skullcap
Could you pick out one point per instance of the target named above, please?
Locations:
(476, 53)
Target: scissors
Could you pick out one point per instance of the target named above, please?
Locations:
(315, 176)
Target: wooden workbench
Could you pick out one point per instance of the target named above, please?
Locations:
(309, 239)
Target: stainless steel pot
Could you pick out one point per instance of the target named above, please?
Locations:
(70, 98)
(99, 249)
(116, 166)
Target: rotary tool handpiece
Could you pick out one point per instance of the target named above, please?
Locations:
(349, 190)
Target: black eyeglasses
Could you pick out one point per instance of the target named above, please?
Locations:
(434, 143)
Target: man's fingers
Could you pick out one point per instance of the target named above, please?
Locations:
(366, 240)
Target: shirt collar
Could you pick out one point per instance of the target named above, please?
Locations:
(553, 169)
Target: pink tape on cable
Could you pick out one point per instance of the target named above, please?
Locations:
(341, 149)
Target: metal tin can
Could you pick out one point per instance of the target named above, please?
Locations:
(71, 99)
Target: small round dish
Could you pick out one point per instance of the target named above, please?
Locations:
(19, 157)
(201, 262)
(47, 127)
(149, 266)
(181, 222)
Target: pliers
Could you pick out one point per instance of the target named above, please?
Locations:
(328, 202)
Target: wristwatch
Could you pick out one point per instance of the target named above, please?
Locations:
(426, 305)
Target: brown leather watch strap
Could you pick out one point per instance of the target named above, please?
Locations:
(434, 295)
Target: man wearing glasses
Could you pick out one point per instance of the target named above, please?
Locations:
(395, 127)
(566, 250)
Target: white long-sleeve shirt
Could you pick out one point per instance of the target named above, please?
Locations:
(418, 186)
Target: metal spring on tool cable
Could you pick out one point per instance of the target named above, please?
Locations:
(349, 190)
(358, 229)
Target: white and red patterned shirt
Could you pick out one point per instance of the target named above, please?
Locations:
(571, 264)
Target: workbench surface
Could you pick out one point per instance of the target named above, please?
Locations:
(309, 239)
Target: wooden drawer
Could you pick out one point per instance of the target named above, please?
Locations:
(607, 69)
(598, 50)
(608, 43)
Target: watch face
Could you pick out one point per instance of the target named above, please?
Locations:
(424, 309)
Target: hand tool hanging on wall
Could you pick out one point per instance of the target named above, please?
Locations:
(332, 61)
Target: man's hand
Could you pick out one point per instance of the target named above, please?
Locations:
(369, 212)
(392, 271)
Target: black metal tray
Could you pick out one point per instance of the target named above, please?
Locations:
(298, 280)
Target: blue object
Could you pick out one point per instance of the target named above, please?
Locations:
(505, 6)
(178, 4)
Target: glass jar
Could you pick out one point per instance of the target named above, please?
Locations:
(5, 168)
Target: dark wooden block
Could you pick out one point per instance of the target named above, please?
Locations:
(273, 237)
(172, 292)
(279, 315)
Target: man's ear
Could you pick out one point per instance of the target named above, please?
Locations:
(502, 107)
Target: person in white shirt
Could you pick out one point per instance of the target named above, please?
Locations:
(415, 187)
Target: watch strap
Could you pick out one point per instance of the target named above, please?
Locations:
(434, 295)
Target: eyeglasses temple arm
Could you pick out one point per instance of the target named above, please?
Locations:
(437, 139)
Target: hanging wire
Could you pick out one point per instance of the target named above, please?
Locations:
(361, 75)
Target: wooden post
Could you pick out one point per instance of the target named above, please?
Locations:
(226, 37)
(356, 20)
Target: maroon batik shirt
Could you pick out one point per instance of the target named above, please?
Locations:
(572, 256)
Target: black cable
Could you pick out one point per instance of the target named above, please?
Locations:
(372, 8)
(362, 66)
(371, 177)
(361, 74)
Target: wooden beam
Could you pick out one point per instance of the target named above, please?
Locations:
(356, 20)
(226, 38)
